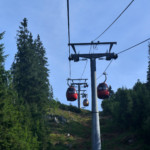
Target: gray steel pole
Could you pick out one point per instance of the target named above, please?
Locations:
(96, 141)
(79, 103)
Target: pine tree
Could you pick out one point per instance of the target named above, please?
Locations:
(20, 67)
(30, 72)
(51, 92)
(30, 79)
(2, 59)
(43, 72)
(148, 72)
(2, 81)
(44, 90)
(14, 135)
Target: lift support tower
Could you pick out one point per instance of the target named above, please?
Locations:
(96, 139)
(79, 84)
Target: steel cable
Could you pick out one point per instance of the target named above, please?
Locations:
(123, 52)
(133, 46)
(105, 69)
(68, 35)
(114, 21)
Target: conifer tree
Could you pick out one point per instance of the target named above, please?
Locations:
(22, 64)
(2, 70)
(148, 72)
(42, 70)
(30, 72)
(3, 82)
(2, 78)
(43, 89)
(30, 79)
(14, 132)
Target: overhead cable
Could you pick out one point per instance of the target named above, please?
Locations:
(68, 24)
(105, 69)
(84, 68)
(114, 21)
(68, 35)
(133, 46)
(122, 52)
(85, 64)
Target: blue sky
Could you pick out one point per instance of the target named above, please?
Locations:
(88, 18)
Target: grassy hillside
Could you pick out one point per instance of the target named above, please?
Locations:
(75, 133)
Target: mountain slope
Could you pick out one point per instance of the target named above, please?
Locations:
(70, 129)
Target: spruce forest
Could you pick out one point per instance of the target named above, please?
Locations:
(31, 119)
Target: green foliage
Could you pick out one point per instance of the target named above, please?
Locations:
(146, 129)
(30, 73)
(130, 109)
(25, 95)
(56, 104)
(148, 72)
(70, 108)
(15, 131)
(3, 78)
(30, 80)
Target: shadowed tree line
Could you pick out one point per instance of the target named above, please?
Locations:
(130, 108)
(25, 93)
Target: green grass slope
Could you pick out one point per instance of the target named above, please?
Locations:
(75, 133)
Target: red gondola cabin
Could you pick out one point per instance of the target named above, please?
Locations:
(102, 91)
(71, 94)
